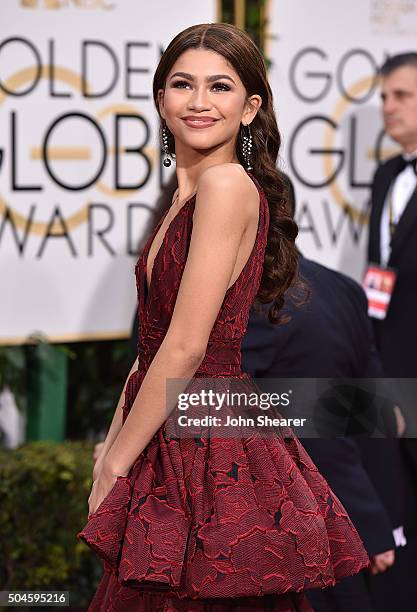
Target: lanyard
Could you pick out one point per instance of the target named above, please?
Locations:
(392, 223)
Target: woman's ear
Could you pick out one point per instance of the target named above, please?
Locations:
(253, 104)
(161, 103)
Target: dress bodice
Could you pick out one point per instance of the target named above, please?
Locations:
(156, 303)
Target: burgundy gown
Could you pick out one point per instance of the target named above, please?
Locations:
(243, 524)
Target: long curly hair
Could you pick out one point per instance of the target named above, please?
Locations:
(281, 258)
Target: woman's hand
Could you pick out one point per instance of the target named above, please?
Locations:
(101, 487)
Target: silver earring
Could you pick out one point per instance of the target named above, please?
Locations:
(247, 148)
(166, 161)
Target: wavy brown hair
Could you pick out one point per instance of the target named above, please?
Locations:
(281, 259)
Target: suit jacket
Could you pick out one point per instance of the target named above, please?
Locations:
(396, 335)
(328, 337)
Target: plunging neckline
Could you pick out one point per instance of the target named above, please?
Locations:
(145, 263)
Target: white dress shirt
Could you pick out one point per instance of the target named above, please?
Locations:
(398, 195)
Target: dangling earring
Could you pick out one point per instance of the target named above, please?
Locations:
(247, 148)
(166, 161)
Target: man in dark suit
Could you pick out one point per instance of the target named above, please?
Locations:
(393, 221)
(393, 240)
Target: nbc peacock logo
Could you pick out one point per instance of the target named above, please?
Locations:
(60, 4)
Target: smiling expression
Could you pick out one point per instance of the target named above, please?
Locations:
(204, 101)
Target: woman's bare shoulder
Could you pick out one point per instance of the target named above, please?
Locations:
(231, 183)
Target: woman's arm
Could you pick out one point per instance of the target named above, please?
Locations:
(115, 426)
(227, 205)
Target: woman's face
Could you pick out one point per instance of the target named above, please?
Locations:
(204, 101)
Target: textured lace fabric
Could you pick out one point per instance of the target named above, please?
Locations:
(215, 524)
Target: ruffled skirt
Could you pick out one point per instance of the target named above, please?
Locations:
(201, 520)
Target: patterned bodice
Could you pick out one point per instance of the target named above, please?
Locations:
(156, 304)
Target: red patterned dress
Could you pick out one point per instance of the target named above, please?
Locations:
(210, 524)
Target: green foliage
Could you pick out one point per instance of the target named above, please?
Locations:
(228, 11)
(16, 362)
(13, 372)
(255, 21)
(95, 380)
(44, 488)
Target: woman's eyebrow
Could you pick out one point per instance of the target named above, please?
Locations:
(210, 79)
(216, 77)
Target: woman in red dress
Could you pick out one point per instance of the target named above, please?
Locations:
(198, 522)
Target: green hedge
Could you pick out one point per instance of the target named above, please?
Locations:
(44, 488)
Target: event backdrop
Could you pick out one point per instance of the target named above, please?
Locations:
(325, 58)
(80, 163)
